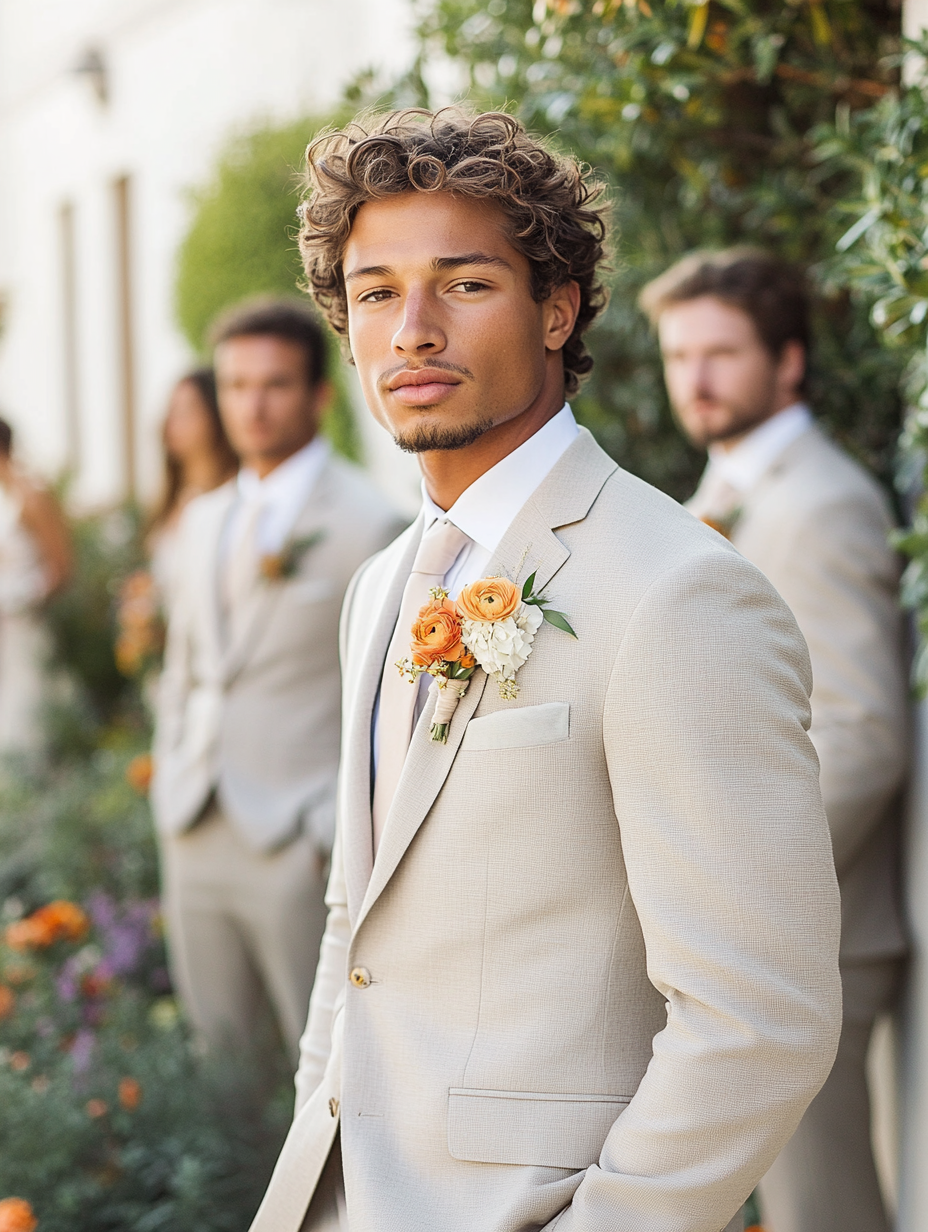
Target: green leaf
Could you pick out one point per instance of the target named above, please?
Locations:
(527, 588)
(559, 620)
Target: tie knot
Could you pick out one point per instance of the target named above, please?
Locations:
(441, 545)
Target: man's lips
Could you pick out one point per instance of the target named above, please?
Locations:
(423, 386)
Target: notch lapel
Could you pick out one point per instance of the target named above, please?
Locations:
(356, 770)
(265, 593)
(529, 546)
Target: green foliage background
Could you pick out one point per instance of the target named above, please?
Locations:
(703, 118)
(241, 242)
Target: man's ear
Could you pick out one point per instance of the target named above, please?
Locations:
(791, 368)
(559, 314)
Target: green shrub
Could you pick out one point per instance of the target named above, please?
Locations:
(703, 117)
(241, 242)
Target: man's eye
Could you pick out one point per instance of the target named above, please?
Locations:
(470, 285)
(375, 297)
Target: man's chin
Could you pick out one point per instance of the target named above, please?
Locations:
(435, 437)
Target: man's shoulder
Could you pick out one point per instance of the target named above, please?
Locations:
(356, 492)
(815, 473)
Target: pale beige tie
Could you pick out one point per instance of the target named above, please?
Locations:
(440, 547)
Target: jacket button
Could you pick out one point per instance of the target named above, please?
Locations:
(333, 1107)
(360, 977)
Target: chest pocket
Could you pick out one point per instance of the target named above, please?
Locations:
(519, 728)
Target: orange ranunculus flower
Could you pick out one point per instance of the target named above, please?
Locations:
(130, 1093)
(7, 1001)
(489, 599)
(57, 921)
(16, 1216)
(139, 772)
(436, 634)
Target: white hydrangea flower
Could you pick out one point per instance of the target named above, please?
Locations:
(502, 646)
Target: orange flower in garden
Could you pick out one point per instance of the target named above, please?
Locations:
(7, 1001)
(96, 1108)
(19, 1061)
(18, 973)
(130, 1093)
(489, 599)
(57, 921)
(436, 634)
(16, 1216)
(139, 772)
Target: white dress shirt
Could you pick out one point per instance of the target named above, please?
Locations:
(279, 496)
(487, 509)
(745, 463)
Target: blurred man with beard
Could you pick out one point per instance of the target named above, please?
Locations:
(734, 336)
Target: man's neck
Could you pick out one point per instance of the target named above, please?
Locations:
(731, 442)
(264, 463)
(449, 472)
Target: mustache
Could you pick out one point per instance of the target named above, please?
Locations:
(440, 365)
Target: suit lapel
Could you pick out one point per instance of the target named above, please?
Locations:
(208, 573)
(529, 546)
(356, 767)
(265, 594)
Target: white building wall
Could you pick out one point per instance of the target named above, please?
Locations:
(182, 76)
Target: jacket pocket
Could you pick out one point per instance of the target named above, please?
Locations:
(518, 729)
(530, 1127)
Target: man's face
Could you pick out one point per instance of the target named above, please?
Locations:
(447, 339)
(721, 379)
(268, 406)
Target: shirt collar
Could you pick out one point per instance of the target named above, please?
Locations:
(486, 509)
(294, 476)
(753, 456)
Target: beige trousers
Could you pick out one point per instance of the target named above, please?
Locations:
(243, 929)
(825, 1178)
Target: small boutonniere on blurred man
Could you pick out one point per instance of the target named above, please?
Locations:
(547, 994)
(734, 334)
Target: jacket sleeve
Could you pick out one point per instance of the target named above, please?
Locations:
(730, 870)
(176, 677)
(839, 577)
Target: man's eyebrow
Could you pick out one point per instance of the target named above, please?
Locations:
(468, 258)
(439, 264)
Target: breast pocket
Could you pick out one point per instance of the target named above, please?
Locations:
(530, 1127)
(521, 728)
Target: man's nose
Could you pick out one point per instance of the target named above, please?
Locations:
(420, 332)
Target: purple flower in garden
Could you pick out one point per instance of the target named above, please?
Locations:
(82, 1050)
(68, 980)
(126, 933)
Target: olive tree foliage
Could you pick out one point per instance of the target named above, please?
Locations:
(703, 118)
(241, 241)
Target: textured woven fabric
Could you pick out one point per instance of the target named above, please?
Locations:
(641, 917)
(438, 550)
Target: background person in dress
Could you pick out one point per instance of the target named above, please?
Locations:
(197, 459)
(734, 334)
(247, 737)
(35, 563)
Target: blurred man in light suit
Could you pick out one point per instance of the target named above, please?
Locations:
(734, 335)
(580, 970)
(247, 738)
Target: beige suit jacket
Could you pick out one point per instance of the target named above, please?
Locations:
(817, 525)
(594, 964)
(256, 718)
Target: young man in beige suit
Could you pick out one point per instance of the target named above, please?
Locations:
(580, 969)
(247, 739)
(734, 334)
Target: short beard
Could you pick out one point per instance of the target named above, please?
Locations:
(427, 438)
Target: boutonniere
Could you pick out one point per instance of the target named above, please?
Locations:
(278, 566)
(492, 625)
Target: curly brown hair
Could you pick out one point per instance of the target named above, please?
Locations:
(553, 204)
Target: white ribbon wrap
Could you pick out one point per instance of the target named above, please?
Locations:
(447, 695)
